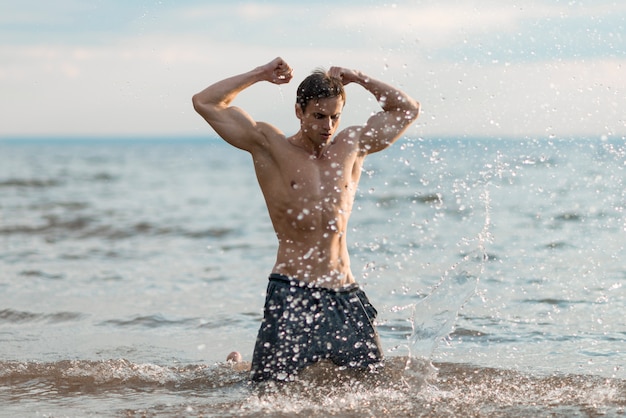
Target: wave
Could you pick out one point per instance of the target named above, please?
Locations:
(14, 317)
(404, 387)
(152, 321)
(44, 183)
(29, 183)
(435, 199)
(86, 227)
(96, 376)
(159, 320)
(41, 274)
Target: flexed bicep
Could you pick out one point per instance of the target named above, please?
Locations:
(233, 125)
(383, 129)
(399, 110)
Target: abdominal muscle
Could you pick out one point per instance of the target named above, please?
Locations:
(312, 238)
(317, 260)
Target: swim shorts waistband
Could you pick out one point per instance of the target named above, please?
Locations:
(281, 278)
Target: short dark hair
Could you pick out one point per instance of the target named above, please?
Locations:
(319, 85)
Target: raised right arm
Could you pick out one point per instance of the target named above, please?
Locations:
(233, 124)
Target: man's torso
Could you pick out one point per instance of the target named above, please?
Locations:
(309, 200)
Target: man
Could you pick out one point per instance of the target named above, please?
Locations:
(314, 310)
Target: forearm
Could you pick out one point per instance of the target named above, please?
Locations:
(222, 93)
(390, 98)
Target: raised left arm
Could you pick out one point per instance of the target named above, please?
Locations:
(399, 110)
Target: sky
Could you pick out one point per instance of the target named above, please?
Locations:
(486, 68)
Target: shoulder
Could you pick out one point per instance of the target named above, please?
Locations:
(352, 138)
(350, 135)
(270, 143)
(268, 135)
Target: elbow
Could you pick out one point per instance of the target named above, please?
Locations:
(197, 104)
(413, 110)
(202, 106)
(416, 108)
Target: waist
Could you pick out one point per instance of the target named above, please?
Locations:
(281, 278)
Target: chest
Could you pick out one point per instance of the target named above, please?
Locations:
(292, 180)
(330, 176)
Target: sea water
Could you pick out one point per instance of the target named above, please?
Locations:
(129, 269)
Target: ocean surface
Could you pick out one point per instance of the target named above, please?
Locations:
(129, 269)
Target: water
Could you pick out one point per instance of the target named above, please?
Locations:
(129, 269)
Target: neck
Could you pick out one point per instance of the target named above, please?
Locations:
(314, 149)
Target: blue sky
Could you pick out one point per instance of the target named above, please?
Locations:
(493, 68)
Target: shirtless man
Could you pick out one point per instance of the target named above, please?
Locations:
(314, 310)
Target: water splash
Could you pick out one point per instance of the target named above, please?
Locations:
(282, 96)
(433, 318)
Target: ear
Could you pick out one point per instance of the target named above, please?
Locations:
(299, 111)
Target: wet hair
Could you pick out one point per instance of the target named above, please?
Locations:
(319, 85)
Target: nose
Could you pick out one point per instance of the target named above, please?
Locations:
(327, 123)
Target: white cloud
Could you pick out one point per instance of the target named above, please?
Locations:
(141, 83)
(433, 25)
(533, 99)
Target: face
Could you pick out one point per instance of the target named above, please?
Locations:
(320, 119)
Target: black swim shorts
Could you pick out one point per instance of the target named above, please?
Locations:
(303, 324)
